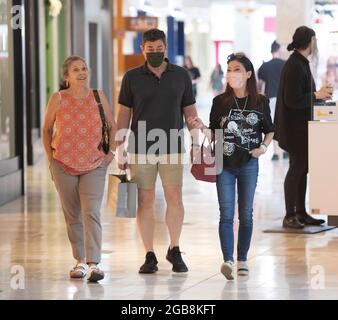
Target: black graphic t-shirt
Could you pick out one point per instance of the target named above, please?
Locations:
(242, 128)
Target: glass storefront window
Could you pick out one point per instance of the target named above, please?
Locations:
(7, 110)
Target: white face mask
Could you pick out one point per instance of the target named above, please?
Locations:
(236, 80)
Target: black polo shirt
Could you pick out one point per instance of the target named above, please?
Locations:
(159, 104)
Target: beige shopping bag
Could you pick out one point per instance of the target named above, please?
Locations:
(122, 196)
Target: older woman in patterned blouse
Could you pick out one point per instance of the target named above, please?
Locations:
(72, 136)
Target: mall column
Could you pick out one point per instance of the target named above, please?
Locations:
(290, 15)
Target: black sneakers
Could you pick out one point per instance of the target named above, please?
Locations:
(174, 257)
(150, 265)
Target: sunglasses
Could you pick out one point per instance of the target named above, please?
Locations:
(238, 55)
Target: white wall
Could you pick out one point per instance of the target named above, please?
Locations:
(199, 46)
(244, 25)
(292, 14)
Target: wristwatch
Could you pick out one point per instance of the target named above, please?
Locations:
(194, 145)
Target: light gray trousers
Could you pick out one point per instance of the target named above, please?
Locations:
(81, 198)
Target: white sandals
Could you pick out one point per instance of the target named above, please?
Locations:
(79, 271)
(94, 274)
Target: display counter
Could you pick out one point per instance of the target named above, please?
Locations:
(323, 169)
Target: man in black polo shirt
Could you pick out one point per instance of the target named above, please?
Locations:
(268, 75)
(155, 97)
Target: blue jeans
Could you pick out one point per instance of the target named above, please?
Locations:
(246, 185)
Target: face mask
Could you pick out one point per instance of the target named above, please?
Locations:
(236, 80)
(155, 59)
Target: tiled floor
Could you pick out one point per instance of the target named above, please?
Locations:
(35, 253)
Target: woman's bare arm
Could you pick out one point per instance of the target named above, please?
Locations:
(49, 120)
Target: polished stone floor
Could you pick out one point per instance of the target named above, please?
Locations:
(35, 255)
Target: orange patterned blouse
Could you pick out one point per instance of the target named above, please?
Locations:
(76, 142)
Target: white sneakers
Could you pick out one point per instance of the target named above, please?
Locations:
(227, 269)
(242, 268)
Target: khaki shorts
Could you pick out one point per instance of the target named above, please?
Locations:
(144, 170)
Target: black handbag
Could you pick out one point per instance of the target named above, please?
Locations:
(105, 129)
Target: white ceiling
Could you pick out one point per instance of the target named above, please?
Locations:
(193, 8)
(199, 8)
(207, 3)
(201, 3)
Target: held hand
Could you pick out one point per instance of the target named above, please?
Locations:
(195, 123)
(123, 167)
(256, 153)
(122, 159)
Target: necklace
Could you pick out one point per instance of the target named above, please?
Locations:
(246, 101)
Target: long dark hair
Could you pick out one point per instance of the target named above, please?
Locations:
(65, 70)
(254, 96)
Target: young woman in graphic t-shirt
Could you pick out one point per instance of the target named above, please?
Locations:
(243, 115)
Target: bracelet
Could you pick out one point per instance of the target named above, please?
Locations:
(194, 145)
(113, 153)
(264, 146)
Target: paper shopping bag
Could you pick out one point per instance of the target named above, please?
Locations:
(122, 196)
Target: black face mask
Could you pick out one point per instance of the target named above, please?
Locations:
(155, 59)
